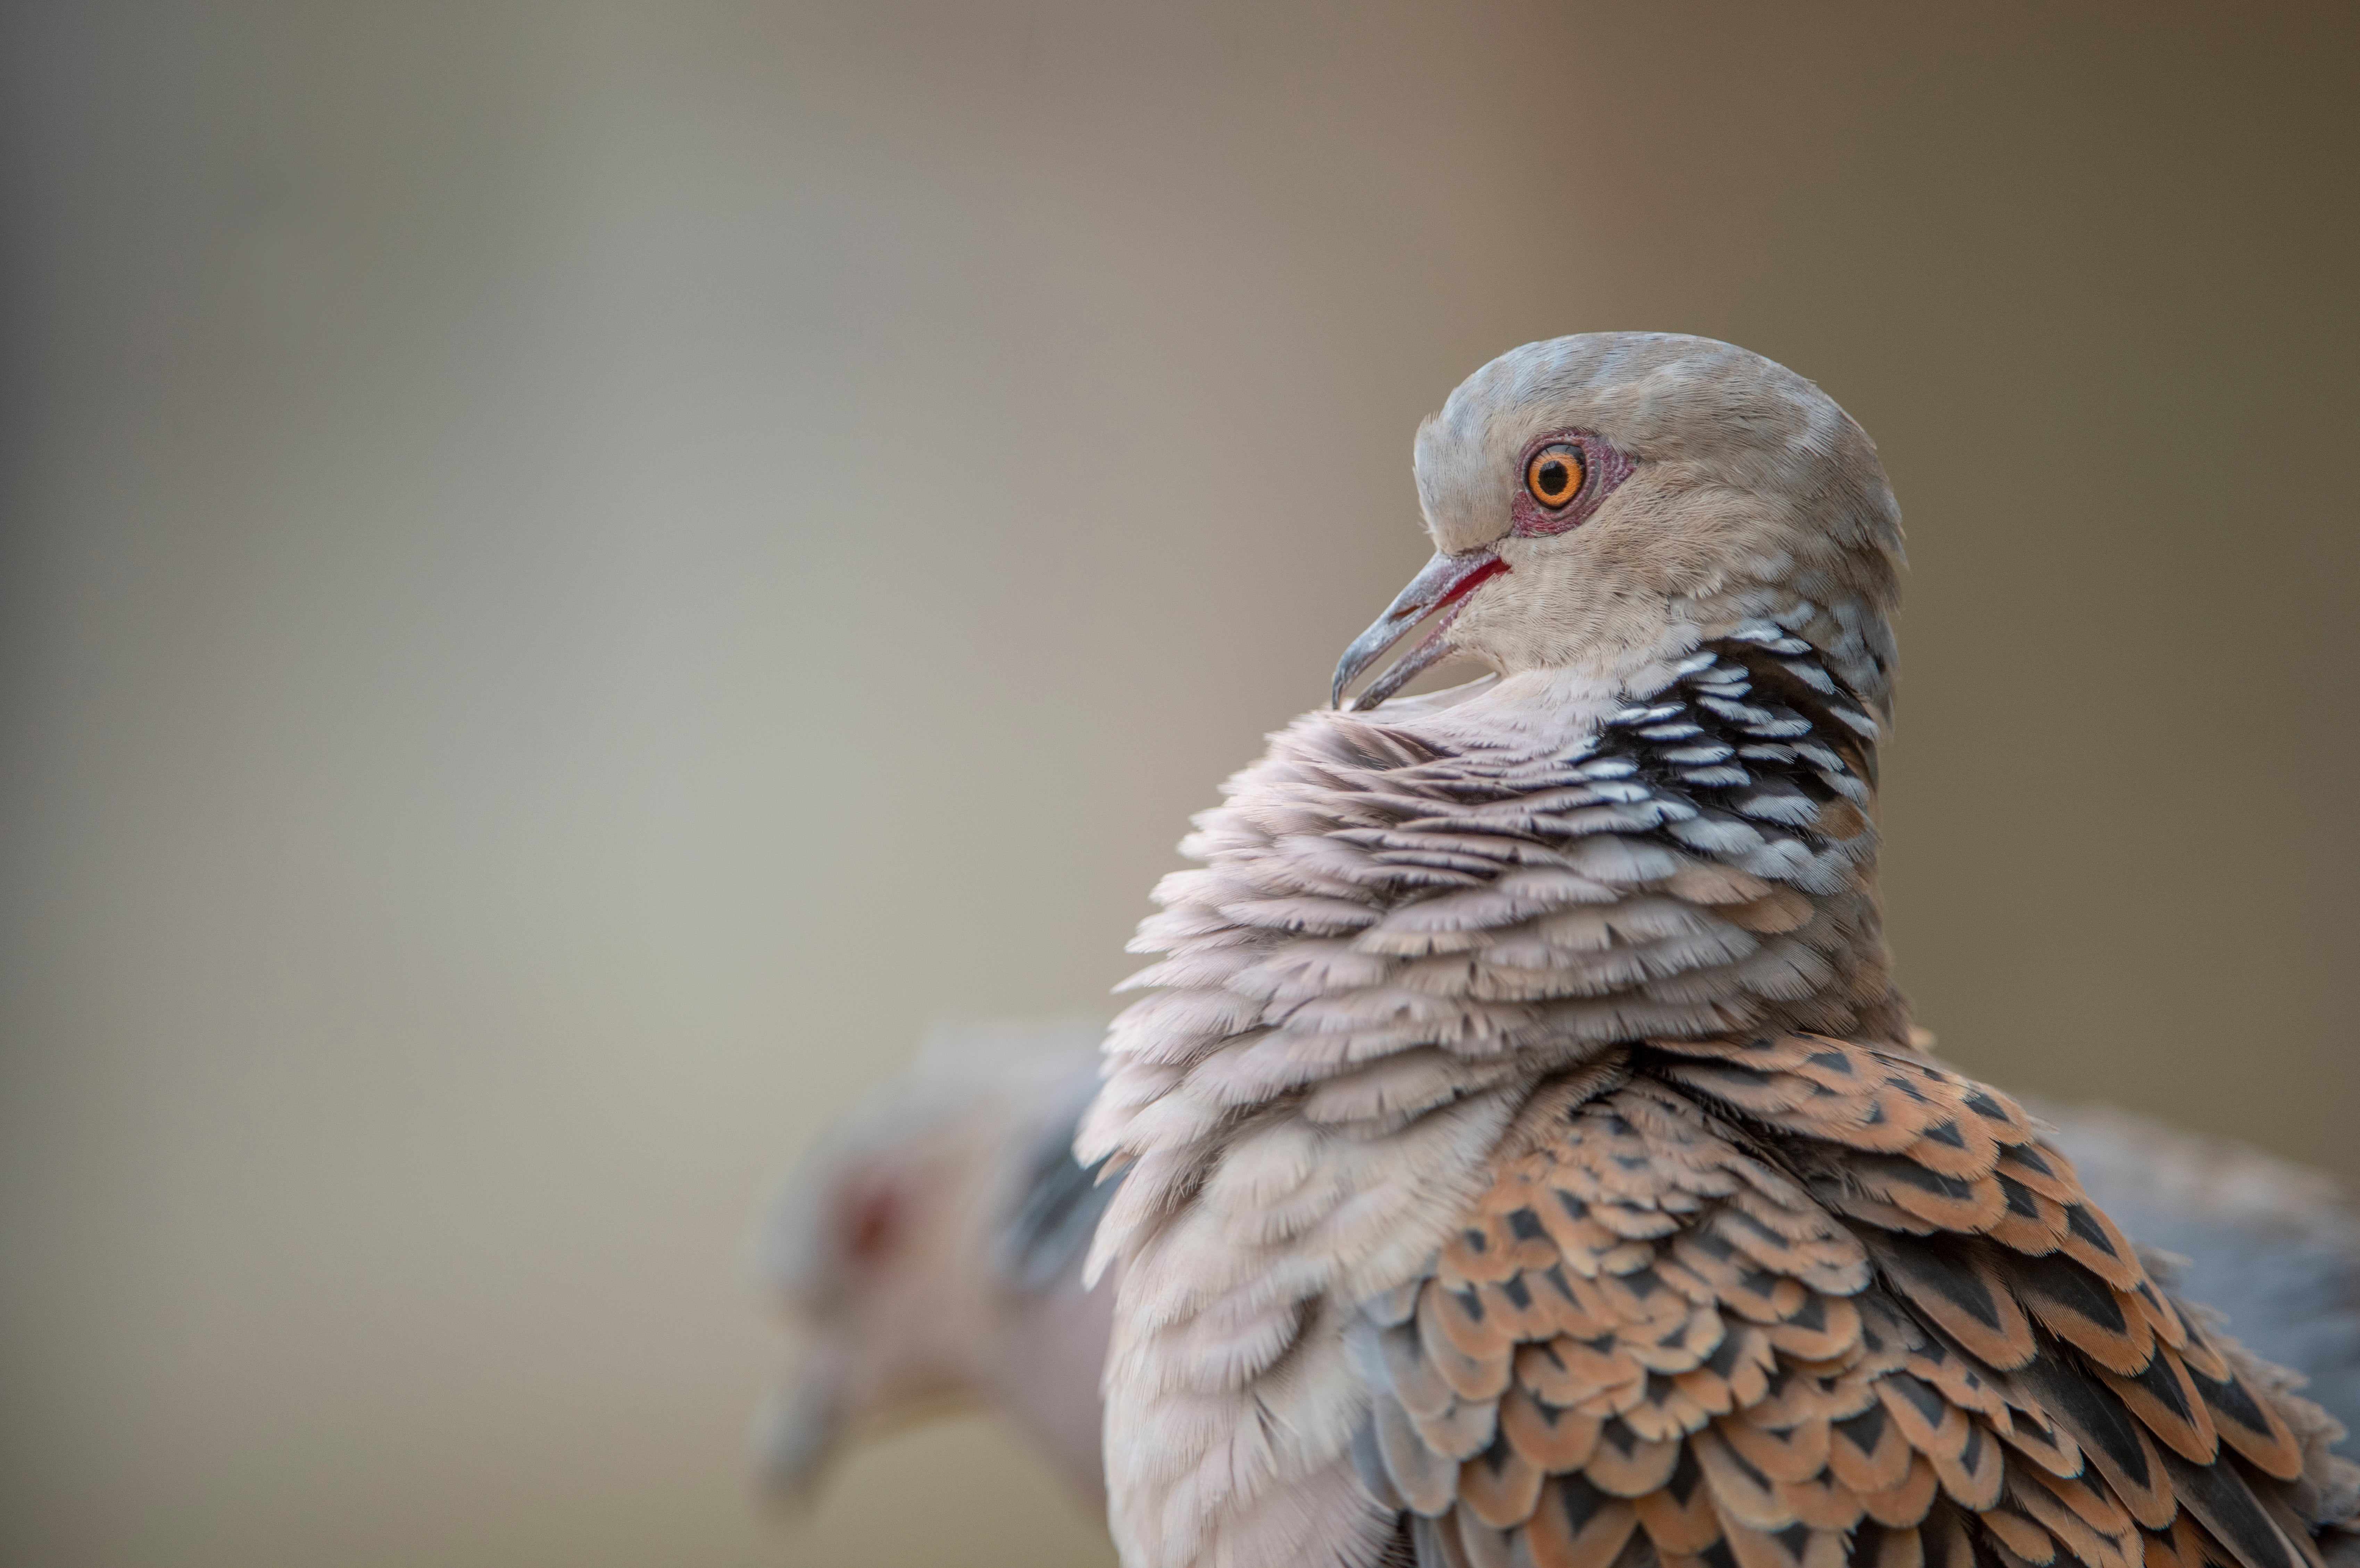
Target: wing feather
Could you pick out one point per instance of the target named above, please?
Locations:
(1801, 1303)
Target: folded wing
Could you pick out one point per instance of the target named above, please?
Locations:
(1799, 1301)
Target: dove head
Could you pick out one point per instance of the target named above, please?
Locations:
(1603, 501)
(872, 1248)
(898, 1246)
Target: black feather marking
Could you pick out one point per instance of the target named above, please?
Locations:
(1866, 1429)
(1686, 1474)
(2029, 1156)
(1745, 1466)
(2063, 1282)
(2019, 1197)
(1918, 1392)
(1944, 1271)
(2108, 1434)
(1582, 1500)
(2217, 1495)
(2077, 1220)
(2232, 1399)
(1909, 1173)
(2158, 1380)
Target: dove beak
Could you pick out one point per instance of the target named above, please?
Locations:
(1443, 586)
(795, 1431)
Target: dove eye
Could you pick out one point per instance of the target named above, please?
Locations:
(1554, 475)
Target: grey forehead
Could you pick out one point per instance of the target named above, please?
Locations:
(1654, 395)
(1633, 389)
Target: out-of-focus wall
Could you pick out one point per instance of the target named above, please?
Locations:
(575, 573)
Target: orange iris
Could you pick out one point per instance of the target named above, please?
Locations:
(1555, 475)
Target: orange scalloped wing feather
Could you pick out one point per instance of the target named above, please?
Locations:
(1798, 1302)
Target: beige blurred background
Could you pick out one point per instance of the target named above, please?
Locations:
(576, 574)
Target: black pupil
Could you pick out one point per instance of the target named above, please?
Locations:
(1553, 477)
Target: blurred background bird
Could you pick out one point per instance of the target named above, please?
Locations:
(930, 1250)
